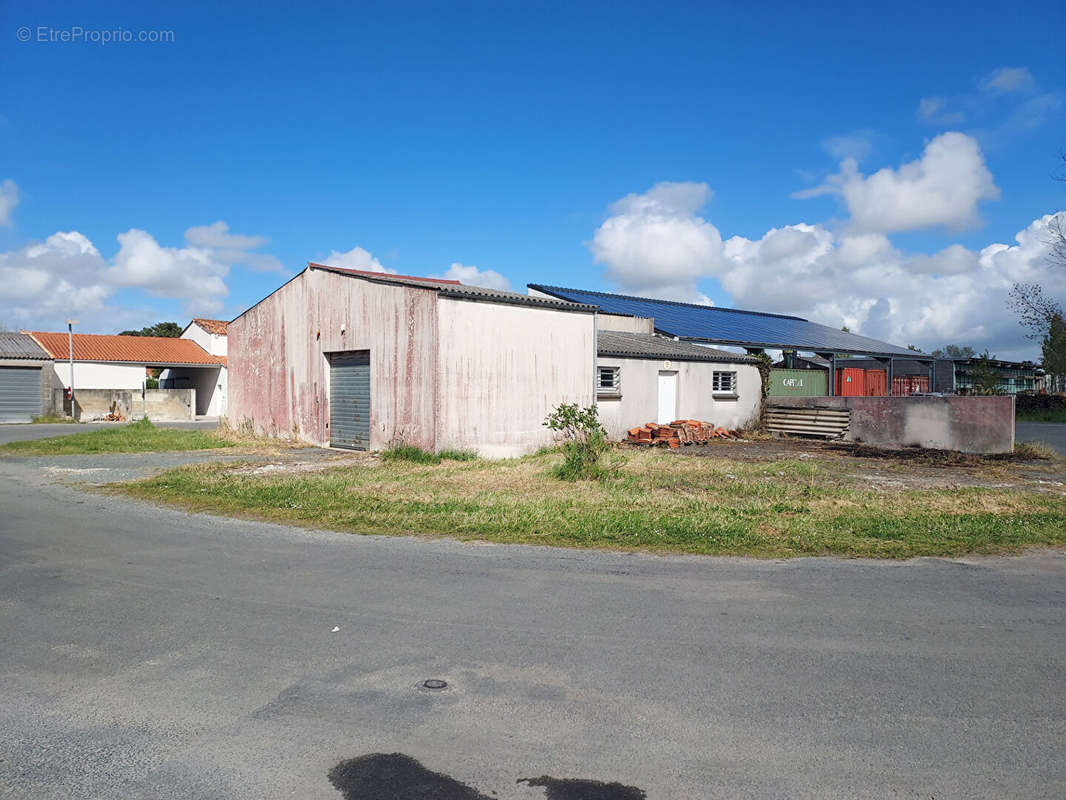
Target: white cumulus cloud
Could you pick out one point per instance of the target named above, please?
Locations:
(42, 283)
(851, 275)
(943, 187)
(356, 258)
(656, 243)
(472, 276)
(956, 295)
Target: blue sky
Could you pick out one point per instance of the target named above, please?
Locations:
(498, 136)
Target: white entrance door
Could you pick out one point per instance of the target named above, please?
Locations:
(667, 397)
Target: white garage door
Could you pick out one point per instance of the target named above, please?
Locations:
(20, 393)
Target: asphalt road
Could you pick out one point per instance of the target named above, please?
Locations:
(1052, 434)
(146, 653)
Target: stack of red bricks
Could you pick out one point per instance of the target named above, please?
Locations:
(678, 432)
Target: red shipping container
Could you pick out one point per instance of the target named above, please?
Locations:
(851, 382)
(876, 384)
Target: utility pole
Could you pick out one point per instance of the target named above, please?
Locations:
(70, 348)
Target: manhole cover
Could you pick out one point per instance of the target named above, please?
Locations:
(434, 683)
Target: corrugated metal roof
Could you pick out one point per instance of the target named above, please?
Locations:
(147, 350)
(20, 345)
(728, 325)
(450, 288)
(622, 344)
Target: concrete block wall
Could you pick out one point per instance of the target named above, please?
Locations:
(965, 423)
(160, 405)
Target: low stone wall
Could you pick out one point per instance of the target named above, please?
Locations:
(967, 424)
(162, 405)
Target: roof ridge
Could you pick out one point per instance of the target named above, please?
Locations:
(363, 273)
(547, 287)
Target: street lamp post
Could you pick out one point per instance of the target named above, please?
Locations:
(70, 349)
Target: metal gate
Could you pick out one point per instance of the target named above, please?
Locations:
(349, 400)
(20, 393)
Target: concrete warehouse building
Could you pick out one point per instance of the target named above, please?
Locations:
(361, 360)
(358, 359)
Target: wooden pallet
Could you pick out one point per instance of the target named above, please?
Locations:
(831, 423)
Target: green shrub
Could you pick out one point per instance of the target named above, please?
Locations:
(584, 441)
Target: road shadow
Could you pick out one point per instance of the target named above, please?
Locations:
(391, 776)
(576, 789)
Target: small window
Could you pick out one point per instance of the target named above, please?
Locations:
(609, 381)
(724, 383)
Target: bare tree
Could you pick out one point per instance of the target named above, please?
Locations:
(1035, 309)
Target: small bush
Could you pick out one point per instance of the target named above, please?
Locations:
(1034, 450)
(151, 383)
(584, 441)
(408, 452)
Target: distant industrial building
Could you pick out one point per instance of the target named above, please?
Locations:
(910, 376)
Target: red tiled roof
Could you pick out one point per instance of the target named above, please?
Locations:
(383, 275)
(214, 326)
(147, 350)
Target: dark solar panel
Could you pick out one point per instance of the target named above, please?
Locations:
(729, 326)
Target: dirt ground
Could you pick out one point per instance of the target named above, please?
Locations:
(910, 467)
(881, 469)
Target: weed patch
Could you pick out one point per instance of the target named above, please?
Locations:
(136, 437)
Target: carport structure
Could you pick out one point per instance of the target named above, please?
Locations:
(106, 362)
(754, 331)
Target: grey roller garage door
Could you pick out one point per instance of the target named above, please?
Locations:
(349, 400)
(20, 393)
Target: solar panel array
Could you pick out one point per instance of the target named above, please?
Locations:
(729, 326)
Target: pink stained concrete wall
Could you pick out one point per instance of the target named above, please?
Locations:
(968, 424)
(279, 367)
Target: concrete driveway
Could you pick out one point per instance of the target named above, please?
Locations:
(147, 653)
(21, 433)
(1053, 434)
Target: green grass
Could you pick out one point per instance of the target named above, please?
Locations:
(51, 419)
(416, 455)
(1041, 415)
(654, 501)
(136, 437)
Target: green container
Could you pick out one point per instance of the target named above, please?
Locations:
(799, 383)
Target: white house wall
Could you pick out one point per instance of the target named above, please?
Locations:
(100, 375)
(639, 401)
(211, 342)
(502, 368)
